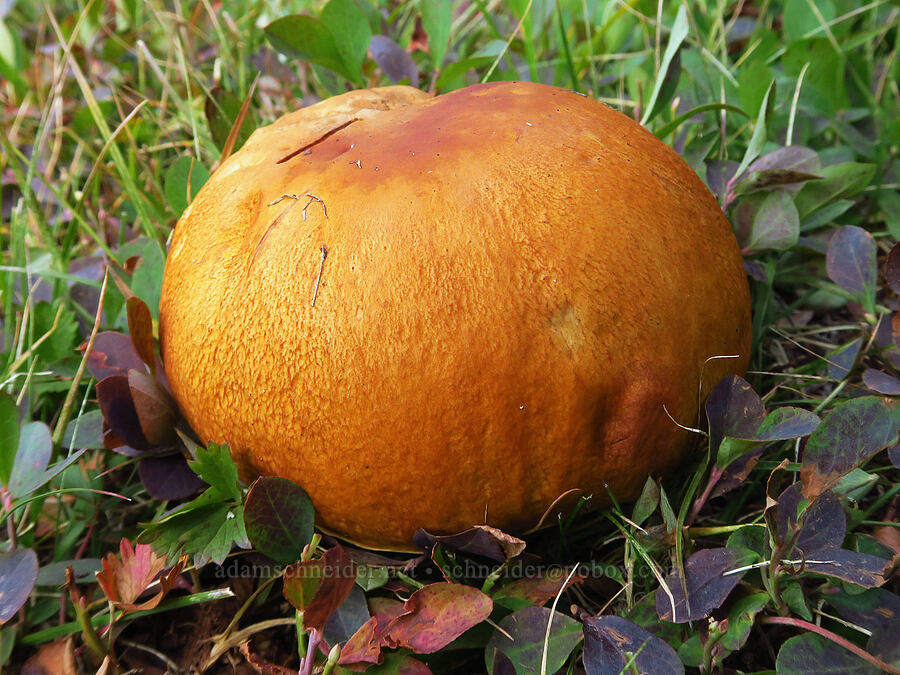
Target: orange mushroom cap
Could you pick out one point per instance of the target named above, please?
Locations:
(446, 311)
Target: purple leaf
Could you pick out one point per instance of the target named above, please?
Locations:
(156, 411)
(733, 409)
(852, 262)
(348, 618)
(608, 640)
(768, 221)
(786, 423)
(788, 158)
(881, 382)
(870, 609)
(393, 60)
(821, 524)
(18, 572)
(706, 584)
(112, 354)
(892, 268)
(521, 639)
(480, 540)
(862, 569)
(436, 615)
(811, 654)
(278, 516)
(894, 455)
(884, 644)
(119, 413)
(718, 174)
(169, 477)
(842, 359)
(735, 474)
(851, 434)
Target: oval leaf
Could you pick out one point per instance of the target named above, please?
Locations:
(703, 588)
(393, 60)
(18, 572)
(521, 639)
(811, 654)
(436, 615)
(852, 262)
(852, 433)
(279, 518)
(32, 458)
(611, 642)
(303, 37)
(318, 587)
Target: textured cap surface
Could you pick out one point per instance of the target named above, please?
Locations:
(518, 279)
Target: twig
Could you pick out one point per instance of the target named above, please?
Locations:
(319, 276)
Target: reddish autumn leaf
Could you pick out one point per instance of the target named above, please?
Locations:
(436, 615)
(140, 330)
(124, 578)
(364, 646)
(56, 658)
(318, 587)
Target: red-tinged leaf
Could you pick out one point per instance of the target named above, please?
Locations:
(112, 354)
(18, 573)
(155, 409)
(706, 583)
(608, 638)
(881, 382)
(862, 569)
(520, 640)
(393, 60)
(481, 540)
(737, 471)
(892, 268)
(56, 658)
(125, 577)
(851, 434)
(318, 587)
(789, 158)
(852, 262)
(364, 646)
(385, 610)
(140, 330)
(169, 477)
(733, 409)
(279, 518)
(436, 615)
(262, 666)
(119, 413)
(537, 590)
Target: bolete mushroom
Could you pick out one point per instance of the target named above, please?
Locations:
(446, 311)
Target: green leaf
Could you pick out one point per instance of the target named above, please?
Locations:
(186, 175)
(802, 17)
(527, 628)
(303, 37)
(215, 466)
(351, 33)
(758, 138)
(667, 81)
(436, 22)
(839, 181)
(62, 341)
(741, 618)
(776, 224)
(32, 459)
(9, 437)
(812, 654)
(279, 518)
(146, 283)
